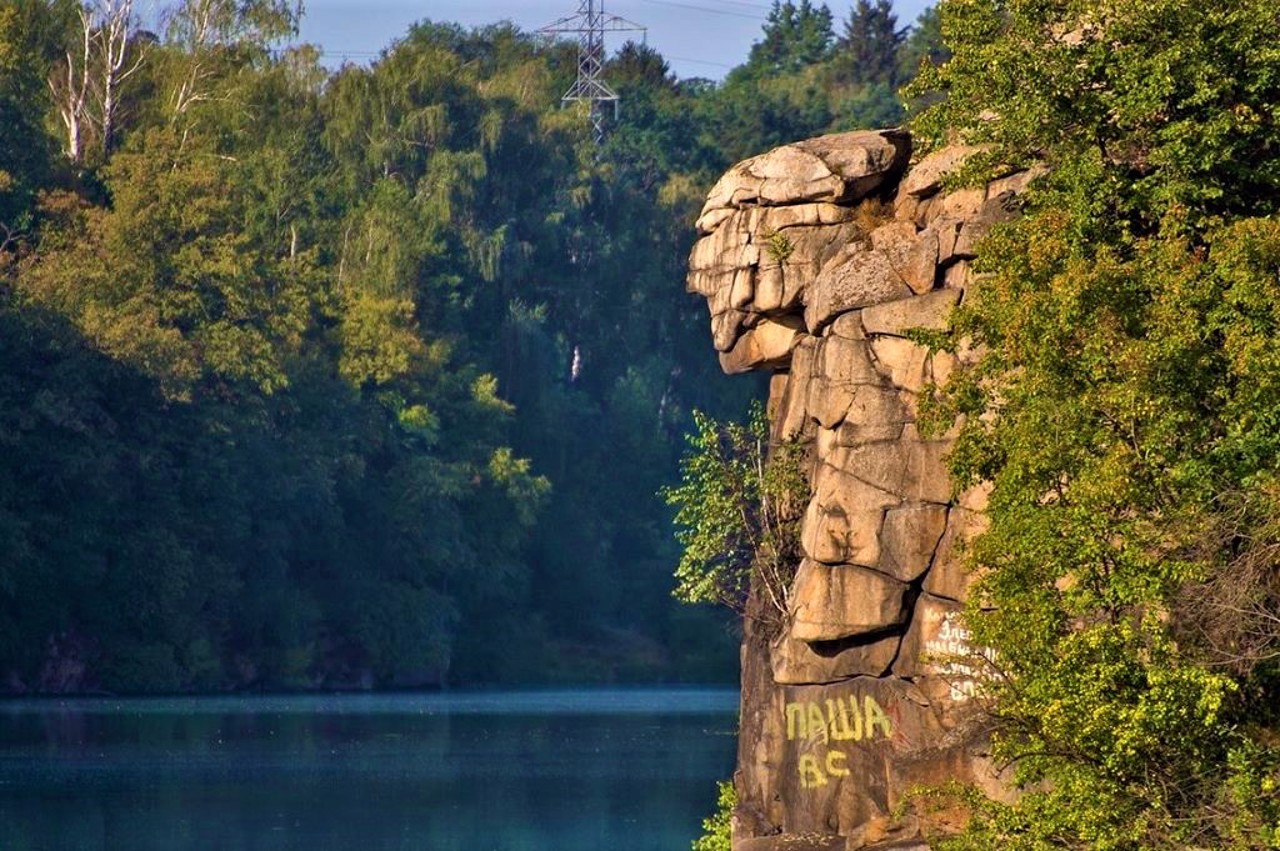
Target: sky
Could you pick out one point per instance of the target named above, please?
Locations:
(698, 38)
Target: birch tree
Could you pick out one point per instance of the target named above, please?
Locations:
(69, 84)
(102, 53)
(215, 35)
(121, 57)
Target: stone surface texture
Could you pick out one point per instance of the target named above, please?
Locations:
(819, 261)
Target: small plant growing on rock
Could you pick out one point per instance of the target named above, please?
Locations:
(739, 505)
(778, 246)
(871, 214)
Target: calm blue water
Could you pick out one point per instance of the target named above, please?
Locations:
(615, 770)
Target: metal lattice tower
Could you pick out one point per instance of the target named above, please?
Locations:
(590, 25)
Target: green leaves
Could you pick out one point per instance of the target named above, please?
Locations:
(165, 279)
(739, 506)
(718, 827)
(796, 35)
(1123, 410)
(870, 44)
(1163, 98)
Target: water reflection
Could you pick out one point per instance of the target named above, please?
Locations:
(627, 770)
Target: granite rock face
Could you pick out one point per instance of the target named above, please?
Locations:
(818, 261)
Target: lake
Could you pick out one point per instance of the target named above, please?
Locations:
(583, 770)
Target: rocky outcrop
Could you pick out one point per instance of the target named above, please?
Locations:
(819, 260)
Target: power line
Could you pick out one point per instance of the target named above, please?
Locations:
(697, 61)
(704, 9)
(764, 6)
(590, 25)
(340, 52)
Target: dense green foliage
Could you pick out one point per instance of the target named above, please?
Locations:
(1125, 409)
(738, 506)
(355, 377)
(718, 828)
(805, 78)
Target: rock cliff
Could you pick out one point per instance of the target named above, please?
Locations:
(817, 260)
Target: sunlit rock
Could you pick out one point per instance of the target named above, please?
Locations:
(830, 602)
(818, 260)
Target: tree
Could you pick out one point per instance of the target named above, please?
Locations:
(317, 373)
(28, 42)
(795, 35)
(1123, 411)
(800, 81)
(717, 829)
(739, 507)
(216, 38)
(868, 50)
(101, 54)
(167, 280)
(122, 56)
(923, 45)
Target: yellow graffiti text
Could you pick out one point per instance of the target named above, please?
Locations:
(843, 720)
(811, 769)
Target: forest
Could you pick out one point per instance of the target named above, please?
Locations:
(366, 377)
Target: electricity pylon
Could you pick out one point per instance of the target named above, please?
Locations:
(590, 24)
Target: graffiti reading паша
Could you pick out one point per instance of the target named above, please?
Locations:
(842, 721)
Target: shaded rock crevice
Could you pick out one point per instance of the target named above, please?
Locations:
(818, 260)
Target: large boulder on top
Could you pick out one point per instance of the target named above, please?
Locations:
(866, 689)
(840, 168)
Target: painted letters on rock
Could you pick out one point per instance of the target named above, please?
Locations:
(818, 261)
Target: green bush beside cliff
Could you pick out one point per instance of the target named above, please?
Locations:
(1126, 410)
